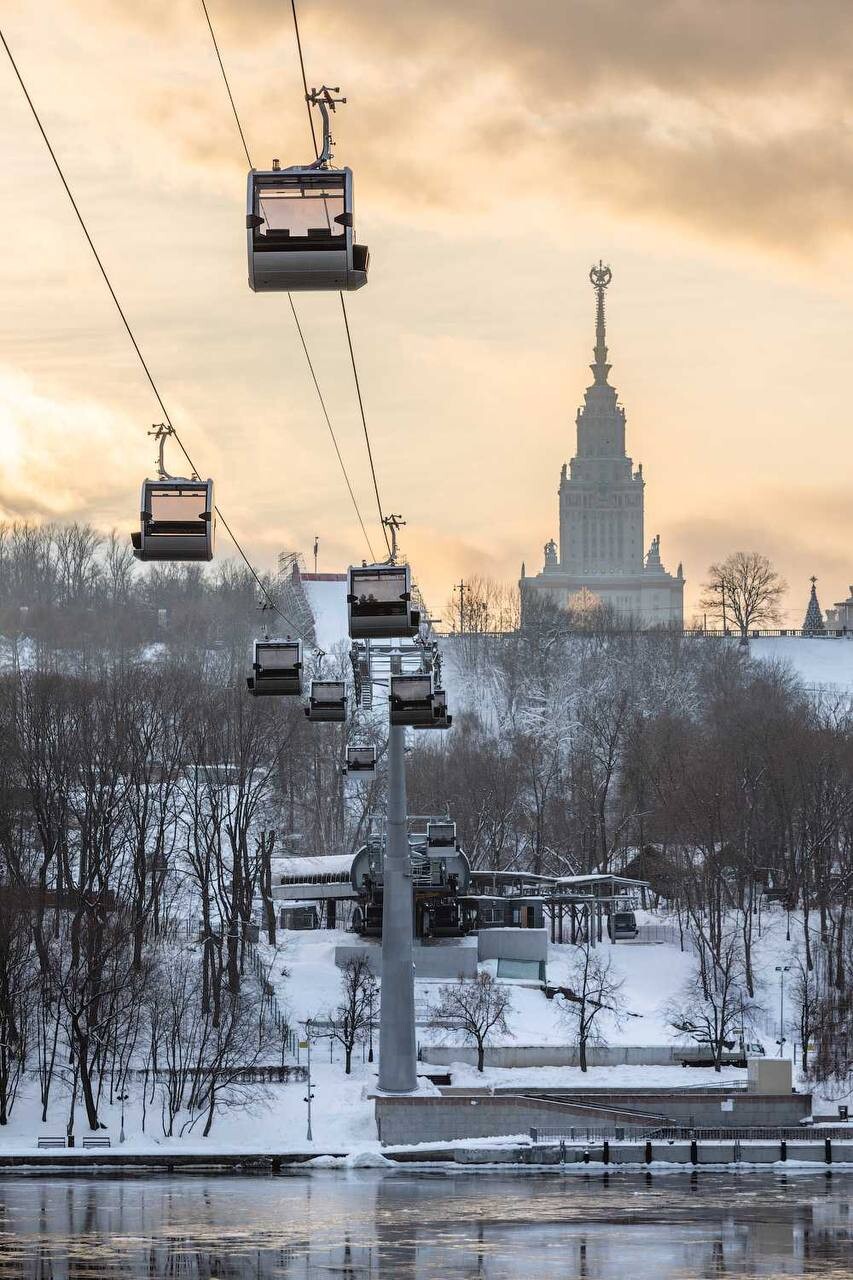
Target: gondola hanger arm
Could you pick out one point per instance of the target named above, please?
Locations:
(394, 523)
(324, 100)
(161, 432)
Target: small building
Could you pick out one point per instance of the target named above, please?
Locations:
(840, 616)
(298, 916)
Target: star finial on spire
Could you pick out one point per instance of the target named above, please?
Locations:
(600, 278)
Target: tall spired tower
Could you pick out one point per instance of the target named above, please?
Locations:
(601, 509)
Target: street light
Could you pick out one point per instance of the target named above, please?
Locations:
(721, 587)
(370, 1025)
(782, 969)
(306, 1044)
(122, 1097)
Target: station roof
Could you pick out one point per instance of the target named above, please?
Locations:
(601, 877)
(295, 868)
(584, 884)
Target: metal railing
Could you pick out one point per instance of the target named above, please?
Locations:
(635, 1133)
(658, 933)
(262, 971)
(587, 1133)
(788, 1133)
(662, 632)
(710, 1086)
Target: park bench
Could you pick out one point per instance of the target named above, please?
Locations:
(96, 1142)
(47, 1143)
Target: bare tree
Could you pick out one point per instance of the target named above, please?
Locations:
(714, 1005)
(746, 588)
(19, 995)
(483, 605)
(119, 567)
(594, 991)
(478, 1007)
(804, 997)
(354, 1014)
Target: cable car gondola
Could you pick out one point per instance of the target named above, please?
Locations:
(361, 761)
(327, 701)
(380, 602)
(415, 703)
(440, 718)
(277, 665)
(299, 222)
(441, 834)
(177, 517)
(176, 520)
(411, 700)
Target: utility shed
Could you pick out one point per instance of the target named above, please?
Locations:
(769, 1075)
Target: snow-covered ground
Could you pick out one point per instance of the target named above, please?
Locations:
(276, 1120)
(307, 985)
(826, 663)
(467, 1076)
(328, 602)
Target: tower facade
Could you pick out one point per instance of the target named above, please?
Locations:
(601, 510)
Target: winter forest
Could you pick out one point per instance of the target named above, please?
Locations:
(144, 798)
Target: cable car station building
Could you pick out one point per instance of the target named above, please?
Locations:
(602, 512)
(451, 900)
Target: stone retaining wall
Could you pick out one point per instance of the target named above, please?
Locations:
(430, 1119)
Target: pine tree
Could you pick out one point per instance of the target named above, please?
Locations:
(814, 618)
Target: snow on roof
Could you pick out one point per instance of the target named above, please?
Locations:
(599, 877)
(321, 865)
(327, 598)
(482, 874)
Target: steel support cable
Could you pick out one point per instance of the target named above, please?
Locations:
(341, 296)
(263, 587)
(364, 424)
(289, 296)
(227, 85)
(304, 80)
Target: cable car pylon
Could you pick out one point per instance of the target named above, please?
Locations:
(384, 617)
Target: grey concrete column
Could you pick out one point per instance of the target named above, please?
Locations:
(397, 1047)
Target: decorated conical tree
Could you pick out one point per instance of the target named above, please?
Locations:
(814, 617)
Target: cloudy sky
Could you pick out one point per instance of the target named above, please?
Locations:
(701, 147)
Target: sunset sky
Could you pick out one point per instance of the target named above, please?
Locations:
(704, 149)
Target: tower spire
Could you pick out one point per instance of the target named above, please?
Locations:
(600, 278)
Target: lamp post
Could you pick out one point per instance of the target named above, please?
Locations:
(309, 1093)
(370, 1026)
(782, 969)
(122, 1097)
(721, 587)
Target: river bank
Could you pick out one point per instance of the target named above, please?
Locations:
(521, 1152)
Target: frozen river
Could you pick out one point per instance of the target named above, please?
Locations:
(406, 1226)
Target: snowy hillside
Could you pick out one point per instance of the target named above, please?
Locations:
(817, 663)
(327, 598)
(307, 984)
(825, 663)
